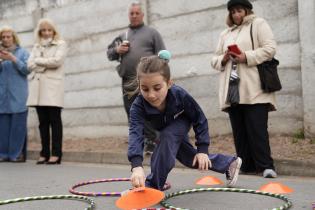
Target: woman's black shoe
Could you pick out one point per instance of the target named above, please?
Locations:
(58, 161)
(42, 161)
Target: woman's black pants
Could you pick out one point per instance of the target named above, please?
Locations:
(50, 118)
(250, 131)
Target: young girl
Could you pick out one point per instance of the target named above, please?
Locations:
(171, 111)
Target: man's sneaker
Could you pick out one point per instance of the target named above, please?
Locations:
(232, 172)
(269, 173)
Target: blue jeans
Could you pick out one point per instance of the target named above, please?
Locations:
(174, 144)
(13, 133)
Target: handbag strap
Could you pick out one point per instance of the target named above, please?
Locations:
(251, 35)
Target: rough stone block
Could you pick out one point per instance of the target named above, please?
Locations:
(191, 65)
(26, 39)
(204, 86)
(101, 97)
(95, 43)
(19, 23)
(88, 62)
(94, 116)
(160, 10)
(14, 8)
(90, 80)
(94, 132)
(289, 55)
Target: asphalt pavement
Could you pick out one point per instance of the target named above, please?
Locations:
(28, 179)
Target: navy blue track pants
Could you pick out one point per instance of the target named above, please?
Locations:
(174, 144)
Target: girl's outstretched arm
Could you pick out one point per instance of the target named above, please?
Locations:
(203, 161)
(137, 177)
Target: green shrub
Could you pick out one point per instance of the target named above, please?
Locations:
(299, 134)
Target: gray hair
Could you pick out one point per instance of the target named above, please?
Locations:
(135, 3)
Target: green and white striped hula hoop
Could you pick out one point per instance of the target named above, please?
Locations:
(52, 197)
(286, 205)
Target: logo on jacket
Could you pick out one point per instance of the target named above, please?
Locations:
(179, 113)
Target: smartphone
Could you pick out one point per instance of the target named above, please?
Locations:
(234, 48)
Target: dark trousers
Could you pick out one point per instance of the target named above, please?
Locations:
(50, 118)
(149, 132)
(250, 131)
(174, 144)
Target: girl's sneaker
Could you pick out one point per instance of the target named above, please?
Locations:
(232, 172)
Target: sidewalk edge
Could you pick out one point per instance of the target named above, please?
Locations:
(283, 167)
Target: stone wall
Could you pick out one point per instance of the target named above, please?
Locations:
(93, 100)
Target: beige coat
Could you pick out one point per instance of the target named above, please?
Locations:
(46, 81)
(265, 48)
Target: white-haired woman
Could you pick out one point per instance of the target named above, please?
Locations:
(13, 95)
(46, 84)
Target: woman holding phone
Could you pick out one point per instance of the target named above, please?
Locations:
(235, 58)
(46, 83)
(13, 95)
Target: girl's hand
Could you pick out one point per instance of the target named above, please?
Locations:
(203, 161)
(137, 177)
(238, 58)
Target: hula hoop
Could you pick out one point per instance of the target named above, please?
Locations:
(286, 205)
(72, 190)
(51, 197)
(108, 194)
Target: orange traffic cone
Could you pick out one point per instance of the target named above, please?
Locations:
(140, 198)
(275, 187)
(209, 180)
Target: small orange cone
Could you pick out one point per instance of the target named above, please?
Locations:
(140, 198)
(209, 180)
(275, 187)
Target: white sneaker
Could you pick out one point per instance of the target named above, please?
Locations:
(269, 173)
(232, 172)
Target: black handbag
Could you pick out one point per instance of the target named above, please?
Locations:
(268, 72)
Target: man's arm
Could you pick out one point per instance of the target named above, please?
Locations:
(111, 49)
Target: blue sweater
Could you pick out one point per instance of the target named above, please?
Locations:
(178, 103)
(13, 83)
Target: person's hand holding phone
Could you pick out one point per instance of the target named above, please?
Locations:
(236, 54)
(123, 47)
(4, 55)
(225, 58)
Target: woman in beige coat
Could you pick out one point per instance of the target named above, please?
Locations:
(46, 86)
(248, 117)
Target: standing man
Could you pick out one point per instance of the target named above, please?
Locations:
(137, 41)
